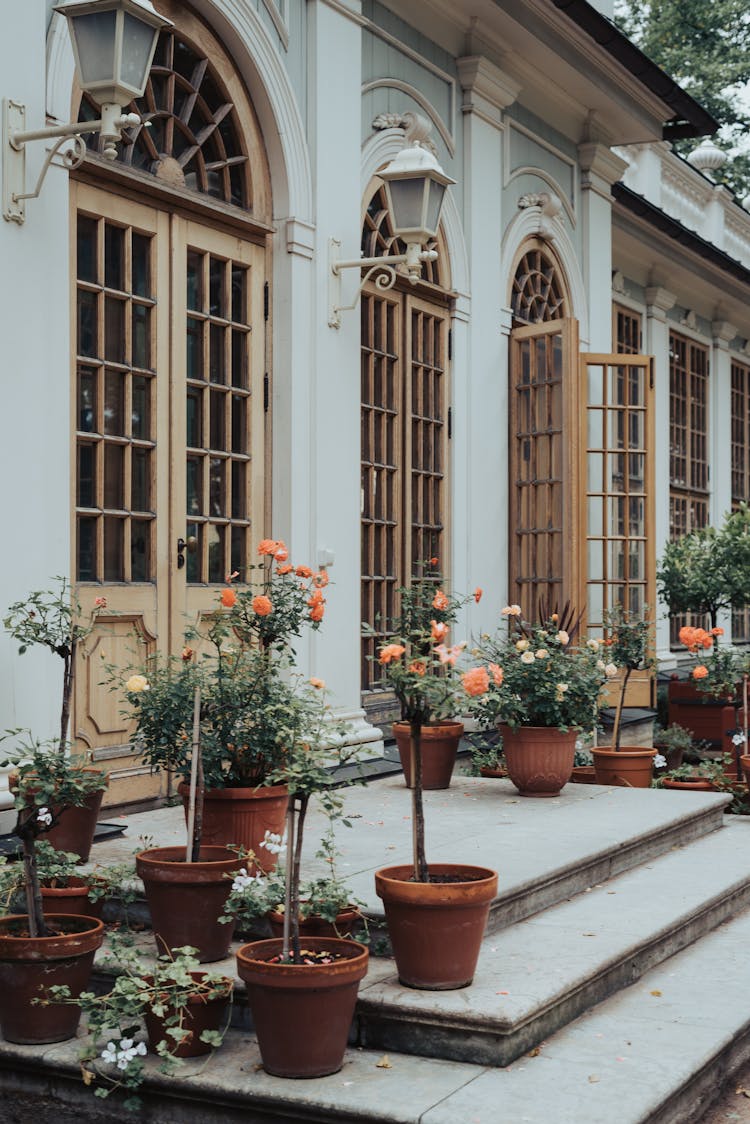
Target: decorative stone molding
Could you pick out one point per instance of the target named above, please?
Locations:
(618, 284)
(690, 320)
(416, 128)
(480, 78)
(599, 160)
(549, 206)
(745, 349)
(658, 302)
(722, 333)
(300, 238)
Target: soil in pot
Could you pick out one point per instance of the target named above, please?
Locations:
(627, 768)
(202, 1014)
(316, 926)
(439, 744)
(186, 899)
(302, 1013)
(436, 927)
(29, 965)
(240, 817)
(72, 897)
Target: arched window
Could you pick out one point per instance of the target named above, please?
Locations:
(538, 293)
(405, 433)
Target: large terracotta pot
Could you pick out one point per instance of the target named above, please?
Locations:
(706, 716)
(201, 1014)
(29, 965)
(439, 744)
(436, 927)
(73, 898)
(745, 766)
(186, 899)
(626, 768)
(241, 817)
(302, 1012)
(539, 759)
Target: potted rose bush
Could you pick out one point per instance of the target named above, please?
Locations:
(436, 912)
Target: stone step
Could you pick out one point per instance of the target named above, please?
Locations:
(537, 975)
(655, 1053)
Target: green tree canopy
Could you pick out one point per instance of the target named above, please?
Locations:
(705, 46)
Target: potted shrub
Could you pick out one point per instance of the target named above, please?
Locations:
(721, 673)
(486, 751)
(543, 690)
(673, 742)
(52, 619)
(178, 1010)
(37, 950)
(297, 983)
(436, 913)
(65, 887)
(627, 641)
(242, 671)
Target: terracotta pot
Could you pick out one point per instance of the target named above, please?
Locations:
(439, 743)
(436, 928)
(186, 899)
(72, 898)
(698, 784)
(316, 926)
(201, 1014)
(706, 716)
(241, 817)
(627, 768)
(30, 964)
(75, 828)
(539, 759)
(499, 772)
(583, 774)
(745, 766)
(302, 1013)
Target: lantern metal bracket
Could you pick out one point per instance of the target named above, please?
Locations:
(15, 138)
(381, 269)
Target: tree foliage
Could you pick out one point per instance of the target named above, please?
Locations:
(705, 47)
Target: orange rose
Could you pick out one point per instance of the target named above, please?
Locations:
(433, 561)
(228, 598)
(438, 630)
(281, 553)
(187, 654)
(478, 594)
(262, 605)
(717, 631)
(318, 684)
(268, 546)
(391, 652)
(700, 672)
(316, 613)
(476, 681)
(497, 674)
(418, 667)
(284, 569)
(316, 598)
(321, 579)
(440, 601)
(303, 572)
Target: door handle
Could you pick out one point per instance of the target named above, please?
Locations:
(190, 545)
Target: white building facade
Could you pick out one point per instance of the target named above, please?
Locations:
(171, 373)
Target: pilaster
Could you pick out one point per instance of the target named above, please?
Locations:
(720, 447)
(600, 168)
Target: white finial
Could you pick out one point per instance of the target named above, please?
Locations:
(707, 157)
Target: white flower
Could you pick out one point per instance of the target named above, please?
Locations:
(541, 653)
(593, 644)
(527, 657)
(560, 690)
(136, 684)
(44, 816)
(611, 670)
(274, 843)
(511, 611)
(110, 1053)
(243, 880)
(522, 644)
(563, 637)
(660, 761)
(601, 665)
(738, 738)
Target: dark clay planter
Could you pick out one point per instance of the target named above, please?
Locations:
(302, 1013)
(627, 768)
(439, 744)
(316, 926)
(72, 898)
(436, 928)
(186, 899)
(75, 828)
(202, 1014)
(240, 817)
(29, 965)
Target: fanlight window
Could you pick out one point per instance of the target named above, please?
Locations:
(537, 290)
(190, 136)
(378, 239)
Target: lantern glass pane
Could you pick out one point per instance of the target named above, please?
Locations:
(95, 45)
(137, 41)
(434, 203)
(406, 203)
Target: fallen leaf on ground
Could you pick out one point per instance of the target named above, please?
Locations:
(535, 1052)
(655, 991)
(593, 1079)
(384, 1063)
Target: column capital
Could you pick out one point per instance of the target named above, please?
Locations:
(599, 160)
(722, 333)
(487, 88)
(658, 302)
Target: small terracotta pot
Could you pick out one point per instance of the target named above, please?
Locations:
(316, 926)
(72, 898)
(439, 743)
(186, 899)
(539, 759)
(202, 1014)
(583, 774)
(29, 965)
(436, 928)
(240, 817)
(698, 784)
(75, 828)
(499, 772)
(627, 768)
(302, 1012)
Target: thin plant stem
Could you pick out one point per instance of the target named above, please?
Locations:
(194, 826)
(288, 879)
(616, 731)
(294, 903)
(421, 873)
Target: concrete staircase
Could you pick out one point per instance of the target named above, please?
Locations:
(612, 987)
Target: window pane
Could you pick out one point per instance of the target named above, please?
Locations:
(114, 330)
(239, 294)
(86, 475)
(216, 567)
(87, 568)
(195, 281)
(86, 247)
(194, 348)
(141, 329)
(113, 560)
(87, 399)
(141, 268)
(216, 282)
(239, 473)
(87, 324)
(239, 416)
(217, 498)
(141, 411)
(239, 358)
(239, 549)
(114, 257)
(218, 366)
(140, 550)
(194, 486)
(114, 403)
(114, 483)
(218, 421)
(194, 557)
(140, 499)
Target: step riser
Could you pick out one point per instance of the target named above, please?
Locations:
(463, 1043)
(689, 1104)
(531, 899)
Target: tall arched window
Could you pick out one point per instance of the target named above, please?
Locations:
(405, 428)
(170, 293)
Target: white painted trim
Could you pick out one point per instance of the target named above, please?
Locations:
(558, 189)
(557, 152)
(420, 99)
(278, 22)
